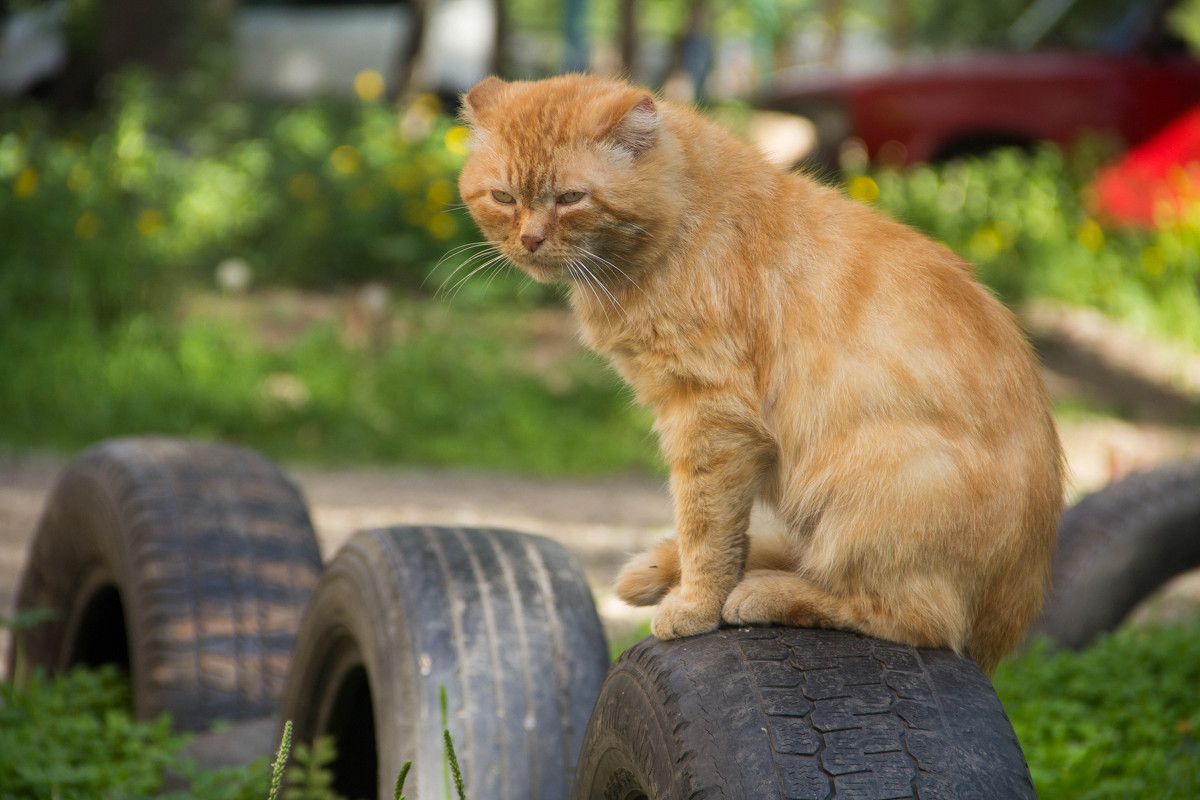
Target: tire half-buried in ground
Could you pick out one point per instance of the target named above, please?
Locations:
(1117, 546)
(502, 621)
(187, 563)
(774, 713)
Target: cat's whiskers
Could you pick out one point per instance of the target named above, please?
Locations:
(595, 282)
(470, 262)
(498, 258)
(580, 278)
(456, 251)
(605, 262)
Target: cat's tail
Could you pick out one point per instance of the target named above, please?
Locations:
(647, 577)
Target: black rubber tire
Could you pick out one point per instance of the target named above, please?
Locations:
(773, 713)
(1116, 547)
(187, 563)
(503, 621)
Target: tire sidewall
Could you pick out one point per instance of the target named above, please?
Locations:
(629, 752)
(78, 551)
(335, 638)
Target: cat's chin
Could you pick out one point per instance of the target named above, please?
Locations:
(543, 272)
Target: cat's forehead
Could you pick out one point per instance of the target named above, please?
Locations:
(534, 168)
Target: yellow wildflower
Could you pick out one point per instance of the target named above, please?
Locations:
(303, 186)
(457, 139)
(1153, 260)
(151, 222)
(26, 183)
(79, 178)
(864, 188)
(1090, 235)
(369, 85)
(87, 226)
(442, 226)
(346, 159)
(440, 194)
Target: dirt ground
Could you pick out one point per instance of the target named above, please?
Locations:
(1157, 389)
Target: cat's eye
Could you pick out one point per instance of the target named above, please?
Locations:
(569, 198)
(503, 197)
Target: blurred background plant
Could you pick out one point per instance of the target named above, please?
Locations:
(1023, 219)
(185, 255)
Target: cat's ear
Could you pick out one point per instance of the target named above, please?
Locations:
(635, 126)
(480, 97)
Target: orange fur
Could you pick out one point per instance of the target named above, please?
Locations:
(796, 347)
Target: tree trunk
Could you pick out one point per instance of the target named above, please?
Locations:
(500, 62)
(629, 38)
(404, 74)
(575, 36)
(692, 59)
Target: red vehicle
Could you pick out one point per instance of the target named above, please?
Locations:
(1071, 68)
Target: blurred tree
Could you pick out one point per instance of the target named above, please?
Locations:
(575, 36)
(409, 56)
(951, 23)
(159, 34)
(500, 53)
(692, 56)
(165, 36)
(630, 42)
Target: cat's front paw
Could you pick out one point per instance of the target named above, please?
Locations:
(676, 617)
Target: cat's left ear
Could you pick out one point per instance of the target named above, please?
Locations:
(481, 95)
(635, 129)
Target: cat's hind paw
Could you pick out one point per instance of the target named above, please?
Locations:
(676, 617)
(768, 597)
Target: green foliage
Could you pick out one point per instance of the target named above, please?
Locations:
(109, 221)
(101, 216)
(72, 736)
(17, 624)
(398, 792)
(1118, 720)
(310, 777)
(450, 757)
(281, 757)
(1022, 218)
(1184, 21)
(455, 388)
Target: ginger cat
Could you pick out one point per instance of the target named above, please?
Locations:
(798, 348)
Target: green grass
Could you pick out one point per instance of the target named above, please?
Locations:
(454, 387)
(1118, 720)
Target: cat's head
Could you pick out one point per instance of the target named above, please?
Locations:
(565, 175)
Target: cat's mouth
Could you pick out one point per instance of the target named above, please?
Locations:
(542, 269)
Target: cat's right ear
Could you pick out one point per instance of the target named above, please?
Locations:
(636, 125)
(483, 94)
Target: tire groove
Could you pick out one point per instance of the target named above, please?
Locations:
(432, 539)
(509, 576)
(554, 627)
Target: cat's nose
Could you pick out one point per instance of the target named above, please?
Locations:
(532, 241)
